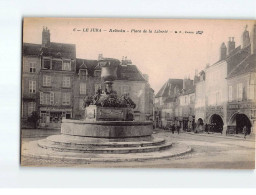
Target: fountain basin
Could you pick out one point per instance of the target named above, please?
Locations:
(106, 129)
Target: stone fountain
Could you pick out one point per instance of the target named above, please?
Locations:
(108, 131)
(106, 114)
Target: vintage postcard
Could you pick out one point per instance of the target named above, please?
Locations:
(160, 93)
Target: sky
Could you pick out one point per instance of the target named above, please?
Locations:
(160, 55)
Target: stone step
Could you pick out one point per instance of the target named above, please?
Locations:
(70, 141)
(32, 150)
(91, 149)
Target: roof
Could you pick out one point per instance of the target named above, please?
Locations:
(86, 64)
(189, 91)
(31, 49)
(129, 72)
(56, 50)
(169, 85)
(60, 50)
(246, 66)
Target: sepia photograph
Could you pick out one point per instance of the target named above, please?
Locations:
(138, 93)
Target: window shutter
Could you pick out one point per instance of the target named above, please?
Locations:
(41, 98)
(52, 98)
(34, 86)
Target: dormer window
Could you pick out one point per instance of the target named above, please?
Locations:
(83, 74)
(32, 67)
(66, 65)
(46, 63)
(57, 64)
(97, 73)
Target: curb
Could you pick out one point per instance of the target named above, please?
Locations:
(223, 136)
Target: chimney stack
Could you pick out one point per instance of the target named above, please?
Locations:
(231, 45)
(223, 51)
(245, 38)
(46, 37)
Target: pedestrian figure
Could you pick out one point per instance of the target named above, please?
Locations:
(178, 129)
(206, 128)
(173, 129)
(245, 131)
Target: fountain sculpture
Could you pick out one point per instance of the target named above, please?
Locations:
(108, 132)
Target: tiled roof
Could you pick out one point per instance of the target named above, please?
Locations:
(60, 50)
(88, 64)
(129, 72)
(246, 66)
(169, 85)
(56, 50)
(30, 49)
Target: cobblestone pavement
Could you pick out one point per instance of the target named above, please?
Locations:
(208, 152)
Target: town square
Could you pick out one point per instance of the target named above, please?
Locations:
(107, 111)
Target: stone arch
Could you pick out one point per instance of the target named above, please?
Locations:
(239, 120)
(216, 123)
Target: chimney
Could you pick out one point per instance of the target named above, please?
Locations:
(184, 83)
(231, 45)
(46, 37)
(223, 51)
(245, 38)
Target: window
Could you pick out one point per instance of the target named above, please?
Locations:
(97, 86)
(230, 98)
(46, 64)
(66, 65)
(47, 81)
(43, 117)
(57, 65)
(66, 82)
(217, 98)
(31, 107)
(180, 112)
(32, 86)
(32, 67)
(82, 74)
(97, 73)
(82, 88)
(66, 99)
(81, 104)
(252, 90)
(239, 92)
(44, 98)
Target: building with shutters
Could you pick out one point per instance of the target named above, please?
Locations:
(129, 81)
(55, 82)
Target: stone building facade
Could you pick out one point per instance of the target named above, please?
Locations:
(166, 102)
(55, 82)
(30, 75)
(213, 105)
(186, 106)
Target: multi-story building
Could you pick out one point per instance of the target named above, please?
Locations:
(55, 82)
(166, 101)
(200, 107)
(56, 79)
(241, 110)
(185, 107)
(87, 81)
(211, 96)
(30, 77)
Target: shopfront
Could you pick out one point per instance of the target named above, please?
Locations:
(51, 118)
